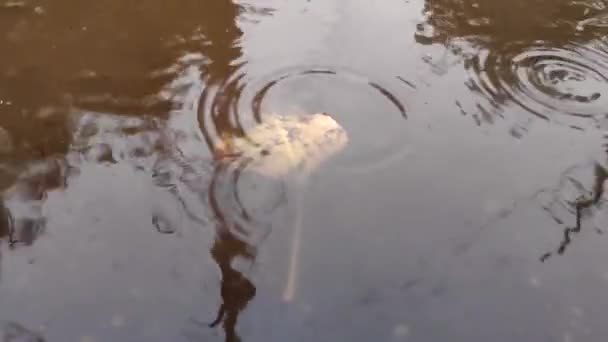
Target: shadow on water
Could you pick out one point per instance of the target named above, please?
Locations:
(546, 57)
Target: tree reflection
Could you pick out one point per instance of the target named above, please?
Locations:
(236, 289)
(116, 57)
(490, 23)
(585, 202)
(111, 56)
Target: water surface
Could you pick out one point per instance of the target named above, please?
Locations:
(467, 206)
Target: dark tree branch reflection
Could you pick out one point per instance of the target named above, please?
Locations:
(581, 204)
(236, 289)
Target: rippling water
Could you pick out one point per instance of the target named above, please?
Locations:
(312, 89)
(562, 85)
(467, 203)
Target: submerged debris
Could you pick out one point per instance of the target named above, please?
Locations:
(282, 143)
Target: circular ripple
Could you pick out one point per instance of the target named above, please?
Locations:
(245, 202)
(219, 109)
(566, 85)
(372, 115)
(370, 112)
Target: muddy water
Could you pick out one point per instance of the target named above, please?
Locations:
(468, 204)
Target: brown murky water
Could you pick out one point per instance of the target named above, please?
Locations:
(468, 204)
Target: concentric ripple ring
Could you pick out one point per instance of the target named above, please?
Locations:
(566, 84)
